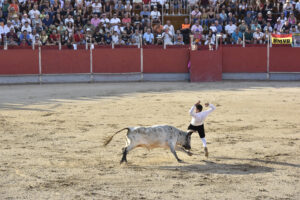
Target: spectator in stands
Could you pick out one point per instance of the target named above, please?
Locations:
(126, 19)
(255, 25)
(79, 38)
(248, 19)
(258, 36)
(54, 38)
(170, 27)
(223, 16)
(167, 37)
(95, 21)
(32, 13)
(155, 14)
(25, 37)
(47, 21)
(26, 27)
(230, 28)
(8, 27)
(243, 26)
(115, 38)
(285, 29)
(148, 37)
(185, 30)
(287, 8)
(297, 8)
(196, 28)
(282, 18)
(128, 7)
(278, 26)
(158, 29)
(268, 28)
(97, 7)
(44, 38)
(270, 18)
(196, 14)
(119, 9)
(248, 36)
(137, 4)
(236, 37)
(135, 38)
(104, 20)
(292, 19)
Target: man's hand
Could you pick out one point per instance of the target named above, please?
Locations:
(206, 104)
(197, 103)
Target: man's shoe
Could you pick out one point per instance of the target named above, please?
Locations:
(206, 152)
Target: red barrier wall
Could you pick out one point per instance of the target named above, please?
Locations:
(241, 60)
(206, 65)
(284, 59)
(166, 60)
(65, 61)
(121, 60)
(19, 61)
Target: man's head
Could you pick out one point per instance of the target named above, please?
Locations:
(199, 108)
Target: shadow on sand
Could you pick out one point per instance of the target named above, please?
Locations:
(220, 168)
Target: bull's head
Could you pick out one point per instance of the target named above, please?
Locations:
(187, 142)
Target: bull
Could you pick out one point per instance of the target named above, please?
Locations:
(153, 137)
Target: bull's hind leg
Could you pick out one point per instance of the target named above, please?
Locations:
(126, 149)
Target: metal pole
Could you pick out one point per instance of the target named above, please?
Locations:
(268, 59)
(217, 42)
(91, 64)
(112, 45)
(59, 45)
(142, 60)
(5, 42)
(244, 40)
(40, 64)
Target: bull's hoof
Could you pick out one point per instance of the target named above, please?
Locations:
(190, 153)
(123, 160)
(180, 161)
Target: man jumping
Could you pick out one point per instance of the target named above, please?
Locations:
(197, 122)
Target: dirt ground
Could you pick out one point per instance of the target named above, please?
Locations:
(51, 141)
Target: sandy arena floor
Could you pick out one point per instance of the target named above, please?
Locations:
(51, 141)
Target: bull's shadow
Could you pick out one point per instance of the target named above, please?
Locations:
(219, 168)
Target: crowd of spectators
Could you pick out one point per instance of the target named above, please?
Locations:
(127, 22)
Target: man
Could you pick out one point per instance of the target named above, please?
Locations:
(148, 37)
(168, 37)
(197, 122)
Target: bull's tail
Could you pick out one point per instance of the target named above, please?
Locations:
(109, 139)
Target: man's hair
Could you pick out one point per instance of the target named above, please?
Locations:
(199, 107)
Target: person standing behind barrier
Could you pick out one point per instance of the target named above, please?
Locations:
(197, 122)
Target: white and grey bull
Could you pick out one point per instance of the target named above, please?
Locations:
(153, 137)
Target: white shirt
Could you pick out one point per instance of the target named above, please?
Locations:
(32, 13)
(155, 14)
(97, 7)
(297, 7)
(25, 20)
(115, 21)
(171, 28)
(167, 38)
(28, 29)
(67, 20)
(259, 35)
(198, 118)
(230, 29)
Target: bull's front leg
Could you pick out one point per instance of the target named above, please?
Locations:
(172, 148)
(183, 150)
